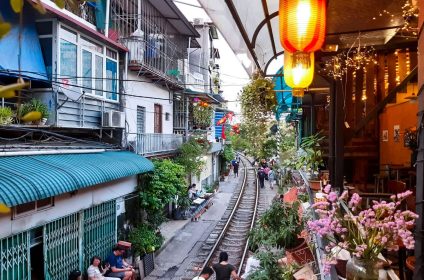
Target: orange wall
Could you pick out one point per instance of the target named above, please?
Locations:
(402, 114)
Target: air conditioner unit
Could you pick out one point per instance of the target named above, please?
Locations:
(114, 119)
(198, 21)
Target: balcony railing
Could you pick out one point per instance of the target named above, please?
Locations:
(195, 81)
(154, 56)
(85, 10)
(158, 143)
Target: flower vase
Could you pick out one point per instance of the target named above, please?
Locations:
(361, 269)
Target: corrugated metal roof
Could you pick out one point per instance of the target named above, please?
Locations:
(28, 178)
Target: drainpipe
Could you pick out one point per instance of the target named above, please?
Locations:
(107, 18)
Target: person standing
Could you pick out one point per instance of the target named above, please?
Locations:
(236, 169)
(261, 177)
(205, 274)
(223, 269)
(271, 178)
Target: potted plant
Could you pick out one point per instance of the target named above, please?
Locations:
(33, 111)
(280, 226)
(6, 115)
(363, 233)
(145, 239)
(202, 115)
(310, 158)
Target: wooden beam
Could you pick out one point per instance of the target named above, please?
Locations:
(392, 94)
(271, 36)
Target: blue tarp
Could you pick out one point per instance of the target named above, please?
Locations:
(218, 128)
(32, 63)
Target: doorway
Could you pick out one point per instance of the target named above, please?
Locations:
(37, 254)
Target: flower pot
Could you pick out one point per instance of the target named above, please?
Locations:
(315, 185)
(302, 253)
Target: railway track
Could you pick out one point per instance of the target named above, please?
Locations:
(231, 232)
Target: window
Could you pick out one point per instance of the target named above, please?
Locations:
(141, 119)
(31, 207)
(95, 66)
(68, 60)
(87, 73)
(111, 79)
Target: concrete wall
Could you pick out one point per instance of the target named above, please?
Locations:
(66, 204)
(146, 88)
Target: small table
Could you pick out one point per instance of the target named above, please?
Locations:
(198, 201)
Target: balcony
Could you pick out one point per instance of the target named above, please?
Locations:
(155, 57)
(85, 10)
(150, 144)
(194, 81)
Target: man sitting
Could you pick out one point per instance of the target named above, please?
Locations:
(118, 266)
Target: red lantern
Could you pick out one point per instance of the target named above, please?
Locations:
(302, 24)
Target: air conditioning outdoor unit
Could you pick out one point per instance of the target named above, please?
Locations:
(198, 21)
(114, 119)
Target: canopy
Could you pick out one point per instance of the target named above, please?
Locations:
(29, 178)
(251, 28)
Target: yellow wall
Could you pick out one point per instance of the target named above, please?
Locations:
(405, 115)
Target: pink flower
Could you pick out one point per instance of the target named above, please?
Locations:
(332, 197)
(327, 188)
(355, 200)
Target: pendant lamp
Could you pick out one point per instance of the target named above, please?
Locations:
(302, 24)
(298, 71)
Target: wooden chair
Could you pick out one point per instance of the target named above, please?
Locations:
(396, 187)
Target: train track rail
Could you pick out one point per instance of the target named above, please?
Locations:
(231, 233)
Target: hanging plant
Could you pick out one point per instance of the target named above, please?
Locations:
(258, 103)
(202, 114)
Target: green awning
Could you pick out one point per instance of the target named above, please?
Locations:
(28, 178)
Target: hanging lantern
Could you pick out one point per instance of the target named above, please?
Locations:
(302, 24)
(298, 71)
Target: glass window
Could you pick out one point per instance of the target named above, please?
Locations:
(99, 75)
(111, 54)
(68, 59)
(47, 51)
(90, 45)
(111, 80)
(87, 70)
(68, 35)
(23, 208)
(44, 203)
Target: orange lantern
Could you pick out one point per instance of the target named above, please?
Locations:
(302, 24)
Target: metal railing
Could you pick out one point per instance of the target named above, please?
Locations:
(85, 10)
(156, 55)
(158, 143)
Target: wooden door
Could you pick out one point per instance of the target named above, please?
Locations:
(158, 119)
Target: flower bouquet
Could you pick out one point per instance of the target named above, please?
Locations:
(364, 233)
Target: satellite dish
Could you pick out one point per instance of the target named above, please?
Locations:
(71, 91)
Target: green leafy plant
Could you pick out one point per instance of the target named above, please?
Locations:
(190, 155)
(145, 239)
(228, 153)
(33, 105)
(258, 102)
(6, 115)
(311, 157)
(270, 269)
(161, 187)
(202, 115)
(279, 226)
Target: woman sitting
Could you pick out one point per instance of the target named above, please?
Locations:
(95, 271)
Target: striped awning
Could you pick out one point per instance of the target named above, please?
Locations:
(29, 178)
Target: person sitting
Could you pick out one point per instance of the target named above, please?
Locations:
(118, 266)
(205, 274)
(96, 272)
(192, 192)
